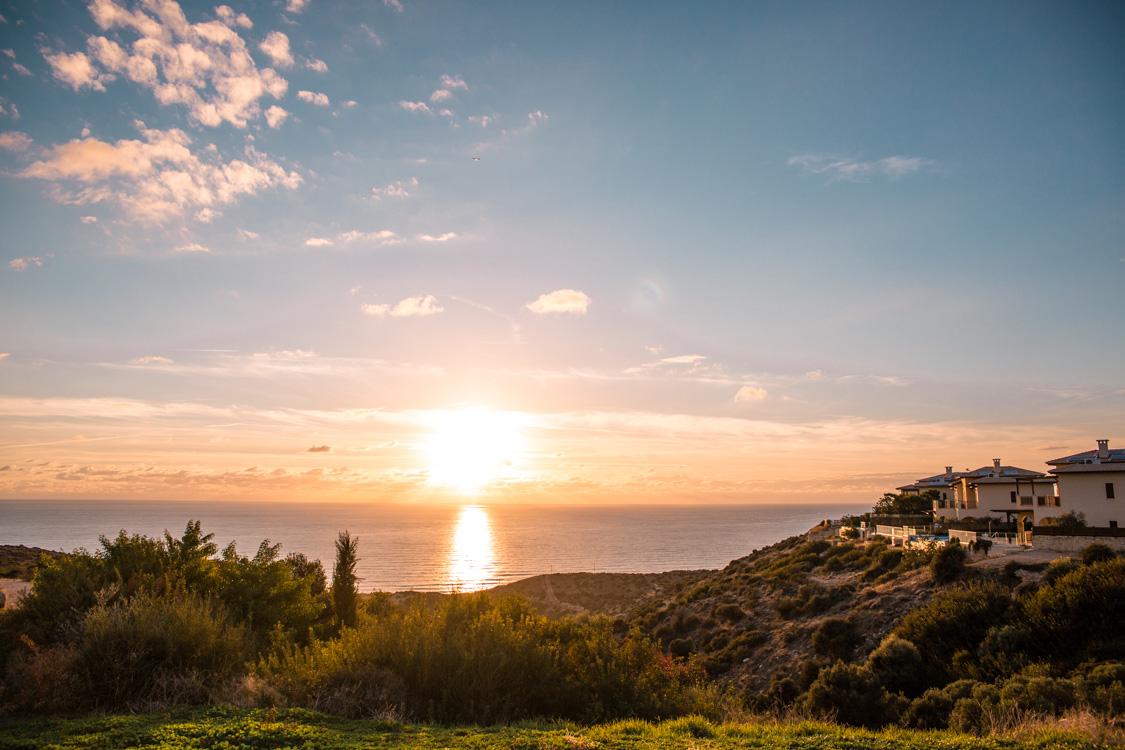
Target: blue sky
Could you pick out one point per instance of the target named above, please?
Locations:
(730, 251)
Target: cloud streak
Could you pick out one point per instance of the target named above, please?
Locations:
(569, 301)
(845, 169)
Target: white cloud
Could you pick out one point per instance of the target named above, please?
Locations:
(349, 103)
(683, 359)
(76, 71)
(228, 16)
(193, 247)
(814, 374)
(15, 141)
(11, 53)
(205, 66)
(654, 349)
(453, 82)
(750, 394)
(276, 45)
(312, 97)
(22, 70)
(410, 307)
(275, 116)
(207, 215)
(157, 178)
(89, 219)
(318, 65)
(22, 264)
(440, 238)
(847, 169)
(440, 95)
(393, 5)
(533, 120)
(372, 35)
(318, 242)
(296, 6)
(483, 120)
(417, 307)
(415, 107)
(246, 234)
(7, 108)
(382, 237)
(151, 361)
(399, 189)
(561, 301)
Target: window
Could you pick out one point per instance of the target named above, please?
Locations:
(1109, 490)
(1013, 496)
(1113, 524)
(1027, 500)
(1042, 500)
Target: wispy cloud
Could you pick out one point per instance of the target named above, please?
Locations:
(318, 242)
(395, 5)
(158, 178)
(381, 237)
(151, 361)
(750, 394)
(313, 97)
(847, 169)
(683, 359)
(415, 107)
(560, 301)
(399, 189)
(204, 66)
(22, 264)
(419, 306)
(320, 449)
(15, 141)
(318, 65)
(192, 247)
(296, 6)
(440, 238)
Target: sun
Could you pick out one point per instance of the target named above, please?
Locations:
(470, 448)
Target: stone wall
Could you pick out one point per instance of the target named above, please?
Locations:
(1060, 543)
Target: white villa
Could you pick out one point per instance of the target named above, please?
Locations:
(1093, 483)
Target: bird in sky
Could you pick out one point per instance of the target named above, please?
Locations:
(476, 158)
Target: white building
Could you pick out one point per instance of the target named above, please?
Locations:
(1093, 483)
(999, 489)
(944, 507)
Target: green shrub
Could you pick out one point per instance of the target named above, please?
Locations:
(730, 613)
(473, 660)
(835, 638)
(948, 563)
(681, 647)
(1039, 695)
(929, 711)
(849, 693)
(1079, 616)
(897, 662)
(1057, 569)
(144, 652)
(1097, 553)
(957, 619)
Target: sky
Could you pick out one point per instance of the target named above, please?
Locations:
(413, 251)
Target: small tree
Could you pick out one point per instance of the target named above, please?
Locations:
(344, 595)
(948, 562)
(1070, 519)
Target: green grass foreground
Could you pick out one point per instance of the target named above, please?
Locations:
(225, 728)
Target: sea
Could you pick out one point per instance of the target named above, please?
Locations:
(438, 548)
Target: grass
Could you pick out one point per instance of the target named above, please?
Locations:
(226, 728)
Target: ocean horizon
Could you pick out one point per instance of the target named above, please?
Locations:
(438, 548)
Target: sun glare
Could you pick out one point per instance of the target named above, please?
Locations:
(472, 560)
(471, 448)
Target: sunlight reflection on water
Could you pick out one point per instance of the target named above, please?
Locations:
(472, 559)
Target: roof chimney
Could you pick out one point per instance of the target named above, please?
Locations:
(948, 473)
(1103, 449)
(996, 465)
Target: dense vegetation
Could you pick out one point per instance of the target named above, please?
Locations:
(859, 633)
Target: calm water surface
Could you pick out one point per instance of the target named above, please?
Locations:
(442, 548)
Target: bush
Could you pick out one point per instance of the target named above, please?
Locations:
(1080, 614)
(896, 663)
(929, 711)
(1070, 519)
(681, 647)
(1057, 569)
(145, 652)
(1097, 553)
(852, 694)
(472, 660)
(730, 613)
(835, 638)
(957, 619)
(948, 563)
